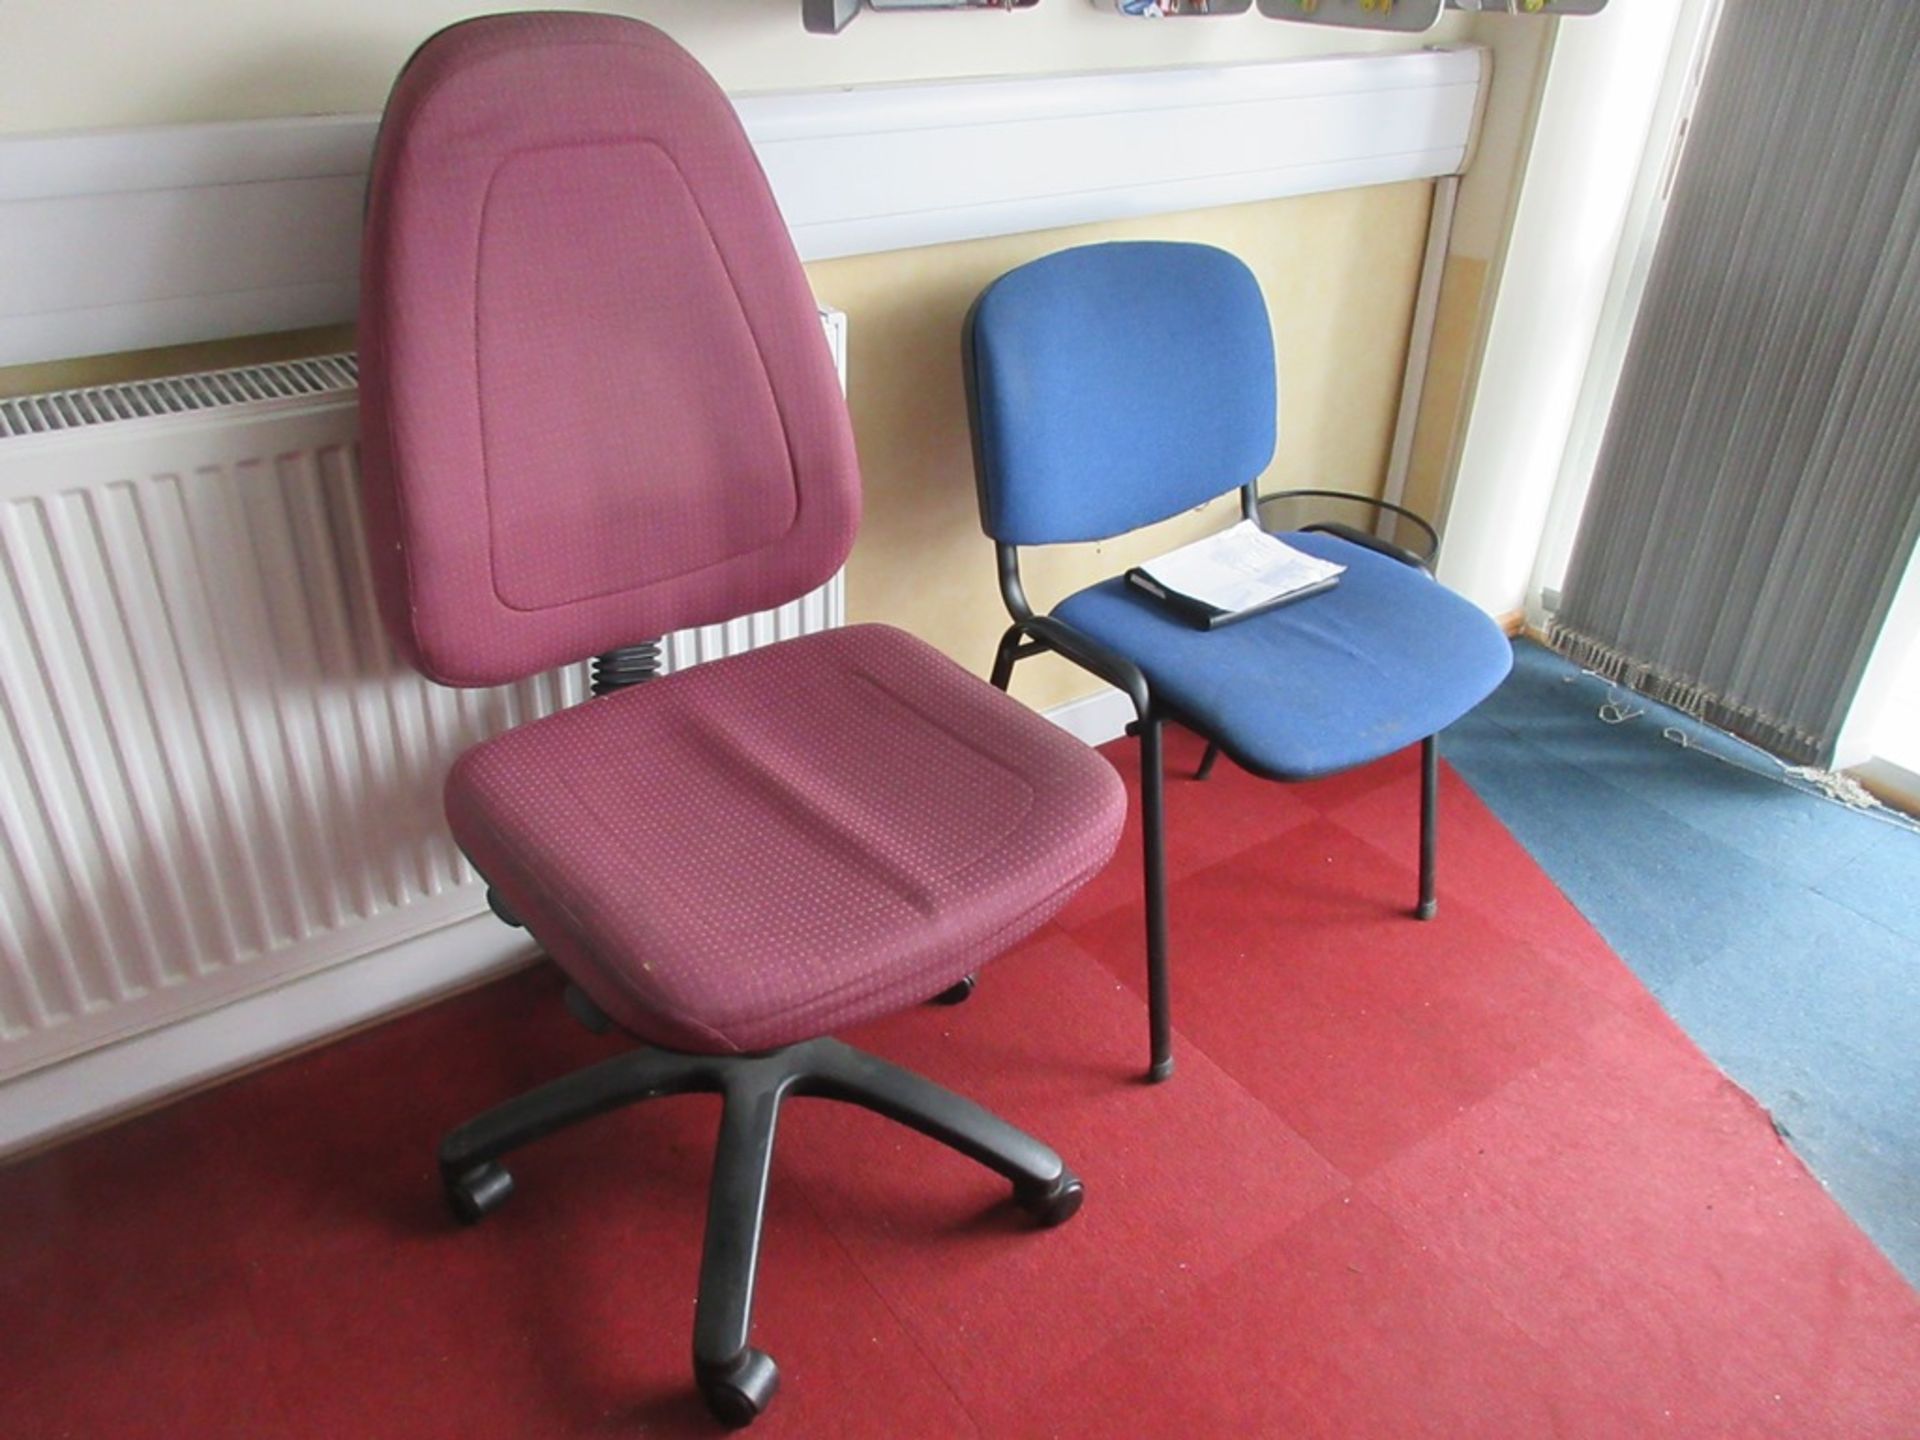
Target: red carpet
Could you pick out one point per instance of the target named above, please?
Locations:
(1457, 1179)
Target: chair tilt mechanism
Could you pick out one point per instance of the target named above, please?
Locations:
(598, 408)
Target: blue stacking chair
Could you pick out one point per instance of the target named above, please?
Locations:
(1113, 386)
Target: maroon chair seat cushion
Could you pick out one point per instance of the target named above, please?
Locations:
(787, 842)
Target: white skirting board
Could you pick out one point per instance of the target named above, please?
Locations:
(92, 1089)
(1097, 718)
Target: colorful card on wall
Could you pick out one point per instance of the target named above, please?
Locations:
(830, 17)
(1530, 7)
(950, 4)
(1172, 9)
(1402, 15)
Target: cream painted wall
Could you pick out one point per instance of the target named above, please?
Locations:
(1519, 47)
(1343, 315)
(1488, 197)
(1341, 325)
(74, 63)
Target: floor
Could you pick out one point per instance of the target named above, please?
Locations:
(1456, 1179)
(1781, 930)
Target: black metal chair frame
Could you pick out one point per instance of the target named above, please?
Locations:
(1033, 634)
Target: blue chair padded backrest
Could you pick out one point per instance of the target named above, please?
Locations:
(1115, 385)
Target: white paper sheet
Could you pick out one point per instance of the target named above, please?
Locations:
(1239, 569)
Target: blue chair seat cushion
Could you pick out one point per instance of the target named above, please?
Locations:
(1386, 657)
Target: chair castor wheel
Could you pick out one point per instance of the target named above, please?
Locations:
(957, 992)
(477, 1193)
(1054, 1203)
(737, 1394)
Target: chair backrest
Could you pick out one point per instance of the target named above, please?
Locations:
(597, 401)
(1115, 385)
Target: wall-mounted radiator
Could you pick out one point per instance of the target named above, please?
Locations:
(215, 776)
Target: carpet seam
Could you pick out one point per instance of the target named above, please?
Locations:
(800, 1185)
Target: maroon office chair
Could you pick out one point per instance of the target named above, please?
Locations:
(598, 407)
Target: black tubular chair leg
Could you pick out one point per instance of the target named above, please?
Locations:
(736, 1380)
(1003, 659)
(1154, 855)
(1207, 761)
(1429, 823)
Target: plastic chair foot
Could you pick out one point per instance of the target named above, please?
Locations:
(738, 1394)
(1054, 1203)
(478, 1192)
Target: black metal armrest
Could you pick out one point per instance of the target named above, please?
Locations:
(1367, 538)
(1043, 632)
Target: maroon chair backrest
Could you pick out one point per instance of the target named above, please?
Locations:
(597, 402)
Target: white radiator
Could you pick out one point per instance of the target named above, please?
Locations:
(215, 776)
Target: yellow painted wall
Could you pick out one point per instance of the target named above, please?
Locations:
(1519, 48)
(1339, 275)
(1458, 331)
(1339, 272)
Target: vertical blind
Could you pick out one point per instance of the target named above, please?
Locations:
(1758, 492)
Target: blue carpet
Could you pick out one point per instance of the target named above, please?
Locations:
(1780, 929)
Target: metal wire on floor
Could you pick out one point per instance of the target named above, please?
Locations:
(1621, 705)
